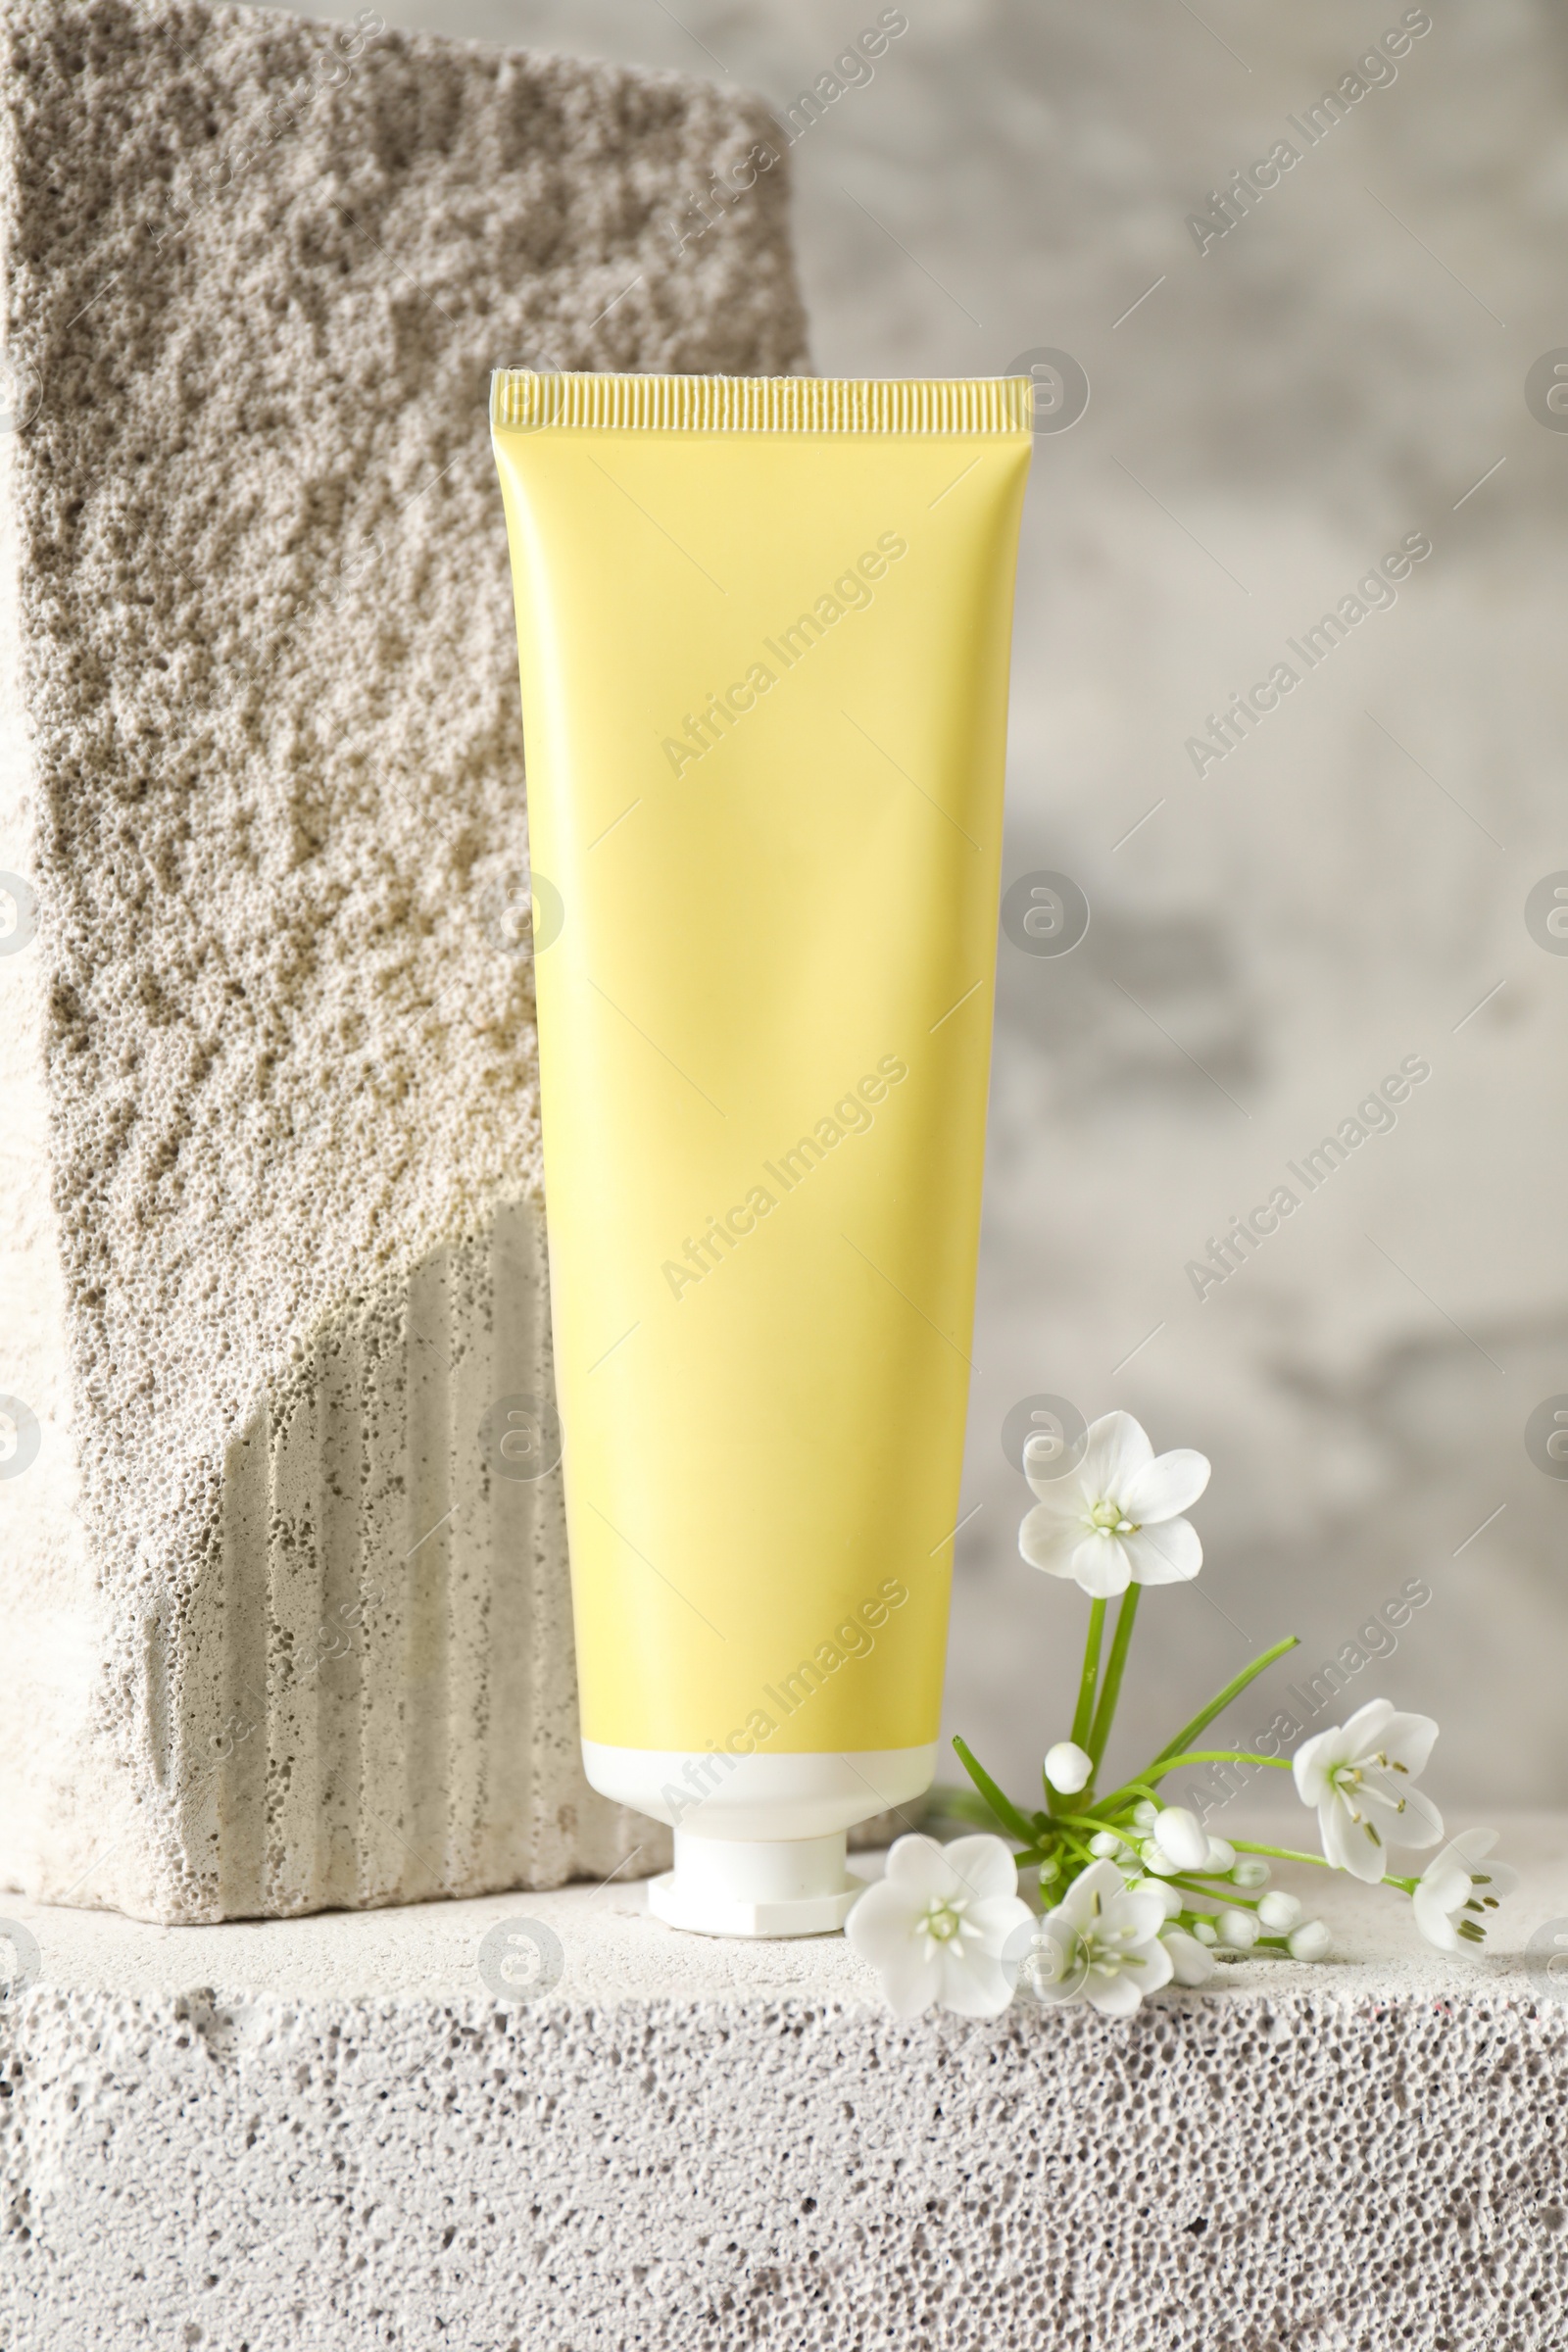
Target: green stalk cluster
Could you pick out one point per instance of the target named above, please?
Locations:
(1056, 1838)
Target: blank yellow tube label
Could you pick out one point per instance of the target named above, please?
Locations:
(764, 631)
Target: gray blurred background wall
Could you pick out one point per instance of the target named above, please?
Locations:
(1346, 889)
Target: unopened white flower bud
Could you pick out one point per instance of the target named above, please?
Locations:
(1190, 1962)
(1104, 1844)
(1182, 1836)
(1154, 1858)
(1221, 1854)
(1279, 1911)
(1310, 1941)
(1239, 1929)
(1068, 1768)
(1146, 1814)
(1206, 1931)
(1172, 1900)
(1251, 1870)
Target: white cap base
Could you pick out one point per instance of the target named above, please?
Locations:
(766, 1887)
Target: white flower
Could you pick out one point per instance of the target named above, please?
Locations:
(1454, 1884)
(1114, 1520)
(1361, 1777)
(1181, 1838)
(1104, 1843)
(1190, 1962)
(1068, 1768)
(933, 1927)
(1251, 1872)
(1309, 1942)
(1221, 1855)
(1238, 1928)
(1102, 1943)
(1206, 1931)
(1279, 1912)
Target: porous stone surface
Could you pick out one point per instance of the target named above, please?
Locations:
(282, 1629)
(221, 2135)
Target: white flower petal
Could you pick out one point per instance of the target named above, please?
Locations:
(1432, 1917)
(1309, 1942)
(1164, 1487)
(1086, 1898)
(1190, 1962)
(1138, 1914)
(883, 1929)
(1154, 1966)
(1446, 1882)
(1405, 1814)
(1313, 1761)
(981, 1867)
(884, 1916)
(973, 1983)
(1112, 1996)
(995, 1916)
(1407, 1739)
(1062, 1497)
(1346, 1845)
(915, 1865)
(1117, 1449)
(912, 1977)
(1049, 1541)
(1101, 1567)
(1363, 1735)
(1169, 1554)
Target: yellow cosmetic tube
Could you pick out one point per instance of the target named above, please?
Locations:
(765, 627)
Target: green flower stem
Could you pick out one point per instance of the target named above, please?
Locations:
(1229, 1899)
(1218, 1755)
(1281, 1853)
(1232, 1690)
(1091, 1821)
(1205, 1755)
(1001, 1806)
(1084, 1710)
(1121, 1642)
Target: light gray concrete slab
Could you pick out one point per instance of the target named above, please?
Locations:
(331, 2130)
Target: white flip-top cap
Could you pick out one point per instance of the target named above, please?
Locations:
(761, 1848)
(761, 1887)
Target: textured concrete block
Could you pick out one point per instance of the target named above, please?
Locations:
(330, 2129)
(283, 1627)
